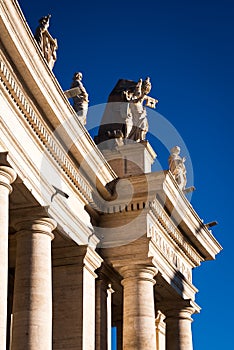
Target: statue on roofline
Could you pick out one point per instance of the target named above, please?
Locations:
(80, 97)
(125, 115)
(177, 167)
(47, 44)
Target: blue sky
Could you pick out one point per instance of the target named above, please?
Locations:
(187, 48)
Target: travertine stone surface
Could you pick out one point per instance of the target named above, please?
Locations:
(110, 291)
(32, 304)
(103, 308)
(74, 297)
(160, 331)
(136, 224)
(101, 315)
(178, 326)
(138, 314)
(7, 176)
(133, 158)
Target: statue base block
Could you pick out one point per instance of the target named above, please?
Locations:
(133, 158)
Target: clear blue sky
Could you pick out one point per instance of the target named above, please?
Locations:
(187, 48)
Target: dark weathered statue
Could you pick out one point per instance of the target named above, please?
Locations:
(125, 113)
(47, 44)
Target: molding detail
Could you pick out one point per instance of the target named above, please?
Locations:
(169, 252)
(173, 232)
(42, 132)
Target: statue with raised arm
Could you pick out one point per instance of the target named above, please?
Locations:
(136, 110)
(47, 44)
(177, 167)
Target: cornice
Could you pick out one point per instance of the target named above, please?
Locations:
(50, 99)
(170, 229)
(42, 132)
(183, 212)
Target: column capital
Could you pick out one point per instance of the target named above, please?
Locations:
(178, 309)
(91, 259)
(139, 272)
(34, 219)
(178, 324)
(7, 176)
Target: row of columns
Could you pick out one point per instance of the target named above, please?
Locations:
(32, 305)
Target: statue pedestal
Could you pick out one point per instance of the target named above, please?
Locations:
(133, 158)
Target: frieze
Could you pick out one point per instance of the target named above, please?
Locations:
(43, 132)
(169, 252)
(174, 232)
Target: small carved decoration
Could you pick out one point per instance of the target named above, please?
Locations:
(177, 167)
(80, 97)
(125, 113)
(47, 44)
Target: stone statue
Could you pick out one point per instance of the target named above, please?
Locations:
(136, 121)
(47, 44)
(177, 167)
(125, 114)
(80, 97)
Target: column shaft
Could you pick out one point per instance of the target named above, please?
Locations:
(101, 315)
(32, 304)
(74, 297)
(178, 329)
(109, 316)
(138, 314)
(7, 176)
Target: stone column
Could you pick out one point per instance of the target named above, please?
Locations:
(138, 313)
(103, 326)
(101, 315)
(109, 315)
(32, 303)
(74, 297)
(7, 176)
(178, 326)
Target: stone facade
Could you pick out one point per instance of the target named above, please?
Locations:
(88, 239)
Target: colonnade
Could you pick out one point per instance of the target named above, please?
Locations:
(32, 302)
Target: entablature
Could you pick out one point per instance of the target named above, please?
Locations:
(34, 89)
(159, 220)
(187, 220)
(151, 193)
